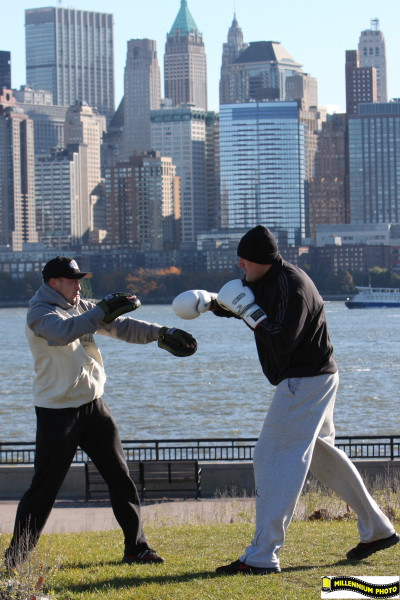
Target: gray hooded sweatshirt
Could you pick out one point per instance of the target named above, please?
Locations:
(68, 364)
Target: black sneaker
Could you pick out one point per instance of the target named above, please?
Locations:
(363, 550)
(239, 567)
(147, 557)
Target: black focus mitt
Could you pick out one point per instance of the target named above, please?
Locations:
(117, 304)
(176, 341)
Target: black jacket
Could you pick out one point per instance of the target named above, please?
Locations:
(294, 340)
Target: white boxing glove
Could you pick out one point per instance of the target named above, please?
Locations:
(190, 304)
(239, 299)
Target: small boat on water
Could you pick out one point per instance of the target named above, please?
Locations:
(369, 297)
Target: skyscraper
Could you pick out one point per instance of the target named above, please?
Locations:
(263, 168)
(143, 205)
(112, 146)
(142, 94)
(49, 120)
(374, 163)
(361, 84)
(260, 73)
(17, 175)
(213, 190)
(71, 54)
(230, 51)
(181, 134)
(371, 47)
(85, 126)
(5, 69)
(327, 187)
(303, 88)
(61, 189)
(185, 67)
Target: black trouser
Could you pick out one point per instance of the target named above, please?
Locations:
(58, 435)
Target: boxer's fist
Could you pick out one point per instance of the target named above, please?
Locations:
(190, 304)
(239, 299)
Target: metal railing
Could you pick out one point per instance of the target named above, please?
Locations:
(211, 449)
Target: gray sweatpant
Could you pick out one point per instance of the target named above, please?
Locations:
(298, 434)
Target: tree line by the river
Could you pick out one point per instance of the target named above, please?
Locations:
(162, 285)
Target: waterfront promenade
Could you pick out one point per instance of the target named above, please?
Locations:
(69, 516)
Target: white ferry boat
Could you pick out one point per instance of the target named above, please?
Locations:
(369, 297)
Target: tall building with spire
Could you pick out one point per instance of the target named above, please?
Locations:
(142, 94)
(70, 53)
(371, 47)
(230, 51)
(185, 64)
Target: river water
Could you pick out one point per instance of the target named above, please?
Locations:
(220, 391)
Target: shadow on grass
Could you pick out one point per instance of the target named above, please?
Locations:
(118, 563)
(124, 581)
(339, 563)
(121, 581)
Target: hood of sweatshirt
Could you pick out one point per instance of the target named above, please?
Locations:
(47, 295)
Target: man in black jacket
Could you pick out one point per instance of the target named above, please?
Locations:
(283, 307)
(280, 303)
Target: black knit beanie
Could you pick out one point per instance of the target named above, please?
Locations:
(258, 245)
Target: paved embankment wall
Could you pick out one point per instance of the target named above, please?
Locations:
(217, 478)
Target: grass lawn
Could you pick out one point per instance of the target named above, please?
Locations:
(90, 565)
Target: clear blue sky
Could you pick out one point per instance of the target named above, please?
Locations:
(315, 33)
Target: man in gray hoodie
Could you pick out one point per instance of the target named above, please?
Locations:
(70, 411)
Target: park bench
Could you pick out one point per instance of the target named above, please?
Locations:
(153, 479)
(96, 486)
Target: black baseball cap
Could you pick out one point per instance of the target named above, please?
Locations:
(63, 266)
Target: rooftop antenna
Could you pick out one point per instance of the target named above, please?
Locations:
(375, 24)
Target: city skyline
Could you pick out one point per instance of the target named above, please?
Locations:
(302, 32)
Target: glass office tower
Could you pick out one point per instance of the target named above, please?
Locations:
(71, 54)
(374, 163)
(263, 168)
(181, 133)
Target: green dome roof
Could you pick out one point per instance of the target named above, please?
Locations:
(184, 20)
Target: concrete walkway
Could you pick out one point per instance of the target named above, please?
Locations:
(74, 516)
